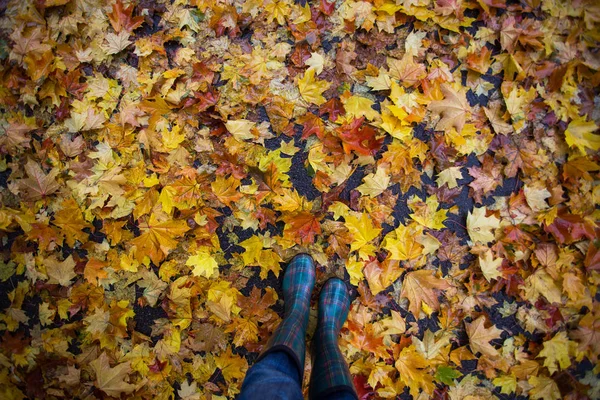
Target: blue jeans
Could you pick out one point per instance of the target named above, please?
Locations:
(277, 377)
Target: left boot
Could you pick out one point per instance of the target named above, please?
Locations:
(330, 373)
(290, 335)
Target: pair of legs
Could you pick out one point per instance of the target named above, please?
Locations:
(279, 371)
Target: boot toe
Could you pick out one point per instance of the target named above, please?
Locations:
(334, 300)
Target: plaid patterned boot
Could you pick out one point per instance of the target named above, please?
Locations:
(290, 335)
(330, 371)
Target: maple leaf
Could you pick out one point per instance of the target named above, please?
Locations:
(302, 227)
(204, 264)
(580, 134)
(94, 271)
(225, 189)
(402, 243)
(375, 184)
(454, 109)
(449, 177)
(354, 268)
(489, 266)
(541, 283)
(480, 227)
(358, 106)
(543, 388)
(381, 275)
(557, 352)
(38, 184)
(394, 325)
(363, 232)
(311, 89)
(120, 18)
(60, 272)
(231, 365)
(358, 137)
(427, 213)
(71, 222)
(112, 380)
(480, 336)
(115, 43)
(157, 238)
(241, 129)
(413, 373)
(406, 70)
(420, 287)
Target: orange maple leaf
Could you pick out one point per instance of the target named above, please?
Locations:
(158, 238)
(453, 109)
(120, 18)
(419, 287)
(302, 227)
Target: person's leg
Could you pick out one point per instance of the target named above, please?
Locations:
(272, 377)
(330, 376)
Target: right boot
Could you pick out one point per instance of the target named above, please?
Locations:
(330, 373)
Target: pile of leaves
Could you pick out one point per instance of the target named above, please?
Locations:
(161, 160)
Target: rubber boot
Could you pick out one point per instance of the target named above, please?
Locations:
(330, 371)
(290, 335)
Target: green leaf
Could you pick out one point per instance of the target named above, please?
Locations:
(447, 375)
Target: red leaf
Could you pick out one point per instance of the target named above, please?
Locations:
(569, 228)
(592, 259)
(311, 125)
(327, 7)
(358, 137)
(333, 107)
(363, 389)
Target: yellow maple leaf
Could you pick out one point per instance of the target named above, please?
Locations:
(311, 89)
(402, 242)
(489, 265)
(232, 366)
(581, 134)
(173, 137)
(277, 10)
(449, 176)
(480, 336)
(413, 371)
(541, 283)
(363, 232)
(358, 106)
(354, 268)
(256, 254)
(225, 189)
(204, 265)
(543, 388)
(480, 227)
(375, 184)
(393, 325)
(557, 352)
(427, 213)
(71, 222)
(507, 383)
(241, 129)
